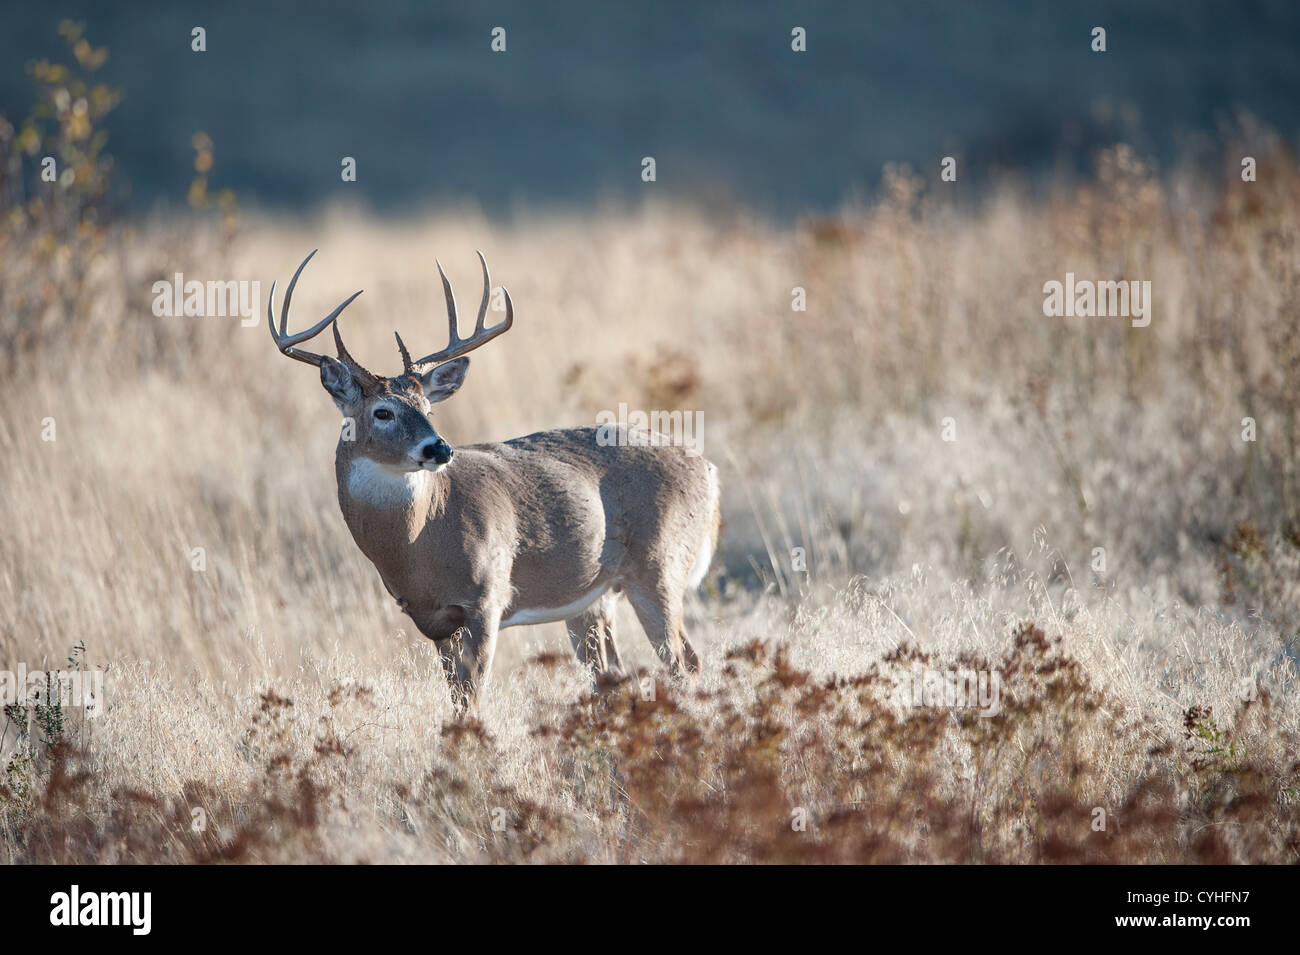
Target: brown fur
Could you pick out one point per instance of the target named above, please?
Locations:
(535, 522)
(545, 527)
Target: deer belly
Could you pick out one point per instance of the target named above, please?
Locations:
(523, 616)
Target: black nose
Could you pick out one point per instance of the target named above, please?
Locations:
(439, 451)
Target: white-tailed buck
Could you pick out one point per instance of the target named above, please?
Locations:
(552, 526)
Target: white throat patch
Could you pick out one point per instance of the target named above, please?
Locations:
(371, 483)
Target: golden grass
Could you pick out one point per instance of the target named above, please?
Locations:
(282, 692)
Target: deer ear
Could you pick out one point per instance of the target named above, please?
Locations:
(441, 381)
(338, 381)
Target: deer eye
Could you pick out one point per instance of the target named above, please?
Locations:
(383, 414)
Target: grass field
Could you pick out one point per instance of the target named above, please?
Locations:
(920, 472)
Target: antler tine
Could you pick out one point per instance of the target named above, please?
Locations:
(286, 342)
(406, 355)
(487, 294)
(457, 346)
(453, 323)
(288, 292)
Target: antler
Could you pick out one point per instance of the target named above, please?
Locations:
(286, 342)
(457, 346)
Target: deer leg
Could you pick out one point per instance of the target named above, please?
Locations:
(592, 636)
(613, 664)
(449, 652)
(467, 659)
(661, 618)
(690, 658)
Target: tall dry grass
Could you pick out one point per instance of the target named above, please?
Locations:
(281, 692)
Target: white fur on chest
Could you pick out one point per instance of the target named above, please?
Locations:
(375, 485)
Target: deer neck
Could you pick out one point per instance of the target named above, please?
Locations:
(387, 510)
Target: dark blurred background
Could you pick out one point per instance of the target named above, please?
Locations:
(712, 91)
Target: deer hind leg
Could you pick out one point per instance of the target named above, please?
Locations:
(661, 618)
(592, 636)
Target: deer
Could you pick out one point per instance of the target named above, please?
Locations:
(552, 526)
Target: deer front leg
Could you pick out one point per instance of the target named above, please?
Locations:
(465, 645)
(467, 658)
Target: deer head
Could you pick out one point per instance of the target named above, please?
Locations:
(391, 415)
